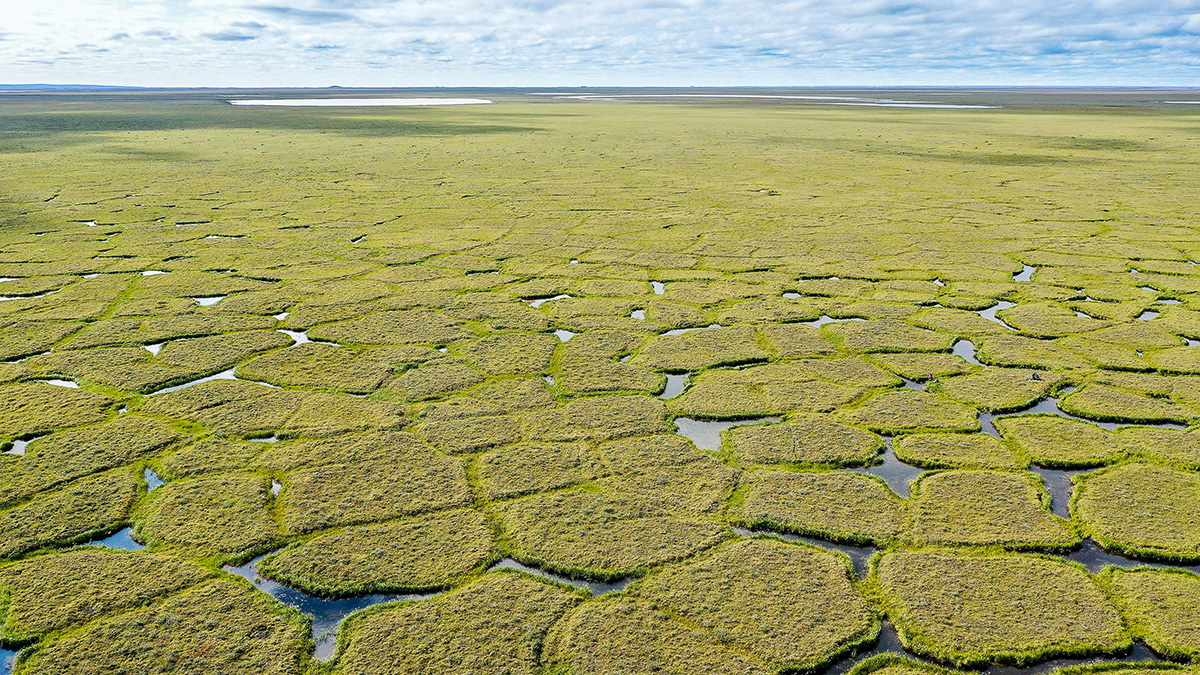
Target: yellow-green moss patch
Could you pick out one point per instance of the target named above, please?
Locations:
(494, 625)
(804, 439)
(412, 554)
(986, 508)
(957, 451)
(1059, 442)
(219, 627)
(968, 608)
(600, 534)
(835, 505)
(1142, 509)
(911, 410)
(225, 513)
(999, 389)
(819, 617)
(1161, 607)
(85, 507)
(50, 592)
(627, 636)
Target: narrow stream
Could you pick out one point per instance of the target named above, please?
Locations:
(990, 313)
(597, 588)
(1058, 484)
(1026, 273)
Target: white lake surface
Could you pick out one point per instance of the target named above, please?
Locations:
(359, 102)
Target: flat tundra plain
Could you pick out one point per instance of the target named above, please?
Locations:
(599, 385)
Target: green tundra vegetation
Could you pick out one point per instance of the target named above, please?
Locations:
(1144, 509)
(1161, 607)
(380, 350)
(969, 608)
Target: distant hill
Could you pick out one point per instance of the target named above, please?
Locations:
(60, 87)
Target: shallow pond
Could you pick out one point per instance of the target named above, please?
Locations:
(825, 318)
(965, 349)
(122, 540)
(223, 375)
(300, 337)
(706, 434)
(541, 301)
(676, 383)
(18, 447)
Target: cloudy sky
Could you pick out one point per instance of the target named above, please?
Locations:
(599, 42)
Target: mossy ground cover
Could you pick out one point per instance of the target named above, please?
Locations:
(1161, 607)
(821, 616)
(957, 451)
(967, 608)
(433, 248)
(221, 626)
(986, 508)
(804, 440)
(50, 592)
(1142, 509)
(627, 636)
(1054, 441)
(496, 624)
(835, 505)
(410, 554)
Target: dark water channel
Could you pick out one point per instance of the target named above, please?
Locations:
(898, 475)
(326, 614)
(1060, 486)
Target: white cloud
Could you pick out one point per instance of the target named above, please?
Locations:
(543, 42)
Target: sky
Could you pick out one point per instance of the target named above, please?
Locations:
(454, 43)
